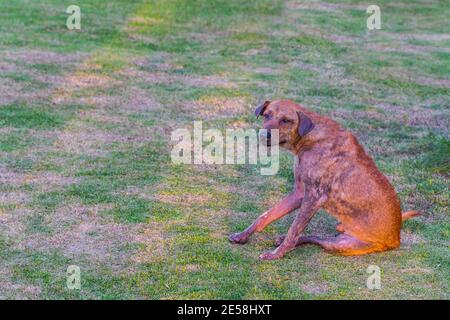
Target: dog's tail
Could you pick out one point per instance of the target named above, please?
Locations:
(410, 214)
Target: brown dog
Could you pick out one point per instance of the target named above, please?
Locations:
(332, 171)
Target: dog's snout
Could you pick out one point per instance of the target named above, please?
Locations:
(266, 134)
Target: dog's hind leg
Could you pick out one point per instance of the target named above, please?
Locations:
(343, 244)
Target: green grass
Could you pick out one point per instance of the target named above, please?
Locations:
(20, 116)
(85, 124)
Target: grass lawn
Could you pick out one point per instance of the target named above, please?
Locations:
(86, 118)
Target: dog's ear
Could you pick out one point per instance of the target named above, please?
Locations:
(260, 109)
(305, 124)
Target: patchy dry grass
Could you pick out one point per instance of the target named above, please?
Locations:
(85, 124)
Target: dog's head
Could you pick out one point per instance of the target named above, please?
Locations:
(283, 115)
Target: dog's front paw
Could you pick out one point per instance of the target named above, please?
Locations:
(270, 255)
(239, 238)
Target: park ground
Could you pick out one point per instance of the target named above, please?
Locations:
(86, 117)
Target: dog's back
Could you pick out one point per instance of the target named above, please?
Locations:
(360, 196)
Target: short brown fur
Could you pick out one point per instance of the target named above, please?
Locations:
(332, 171)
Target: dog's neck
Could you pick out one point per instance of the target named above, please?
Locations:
(302, 143)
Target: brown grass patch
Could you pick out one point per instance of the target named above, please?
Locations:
(137, 99)
(422, 36)
(315, 288)
(348, 114)
(79, 138)
(204, 37)
(164, 194)
(263, 70)
(12, 178)
(184, 199)
(10, 91)
(142, 38)
(416, 270)
(133, 99)
(159, 61)
(13, 224)
(44, 180)
(318, 5)
(82, 232)
(444, 83)
(154, 241)
(410, 239)
(48, 181)
(415, 116)
(256, 51)
(405, 48)
(14, 198)
(168, 78)
(16, 291)
(340, 38)
(80, 80)
(7, 67)
(218, 107)
(42, 57)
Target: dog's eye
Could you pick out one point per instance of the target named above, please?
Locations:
(266, 116)
(285, 121)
